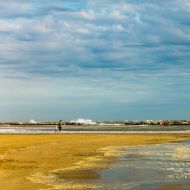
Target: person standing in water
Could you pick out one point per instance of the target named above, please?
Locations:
(59, 127)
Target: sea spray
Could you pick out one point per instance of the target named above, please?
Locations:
(83, 122)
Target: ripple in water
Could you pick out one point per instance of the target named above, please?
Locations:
(138, 168)
(149, 167)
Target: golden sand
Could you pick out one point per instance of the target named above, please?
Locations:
(35, 162)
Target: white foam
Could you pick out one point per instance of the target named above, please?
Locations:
(111, 124)
(84, 121)
(32, 121)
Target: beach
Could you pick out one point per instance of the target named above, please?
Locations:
(34, 161)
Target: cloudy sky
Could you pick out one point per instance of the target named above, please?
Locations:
(97, 59)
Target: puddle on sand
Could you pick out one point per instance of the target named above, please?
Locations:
(138, 168)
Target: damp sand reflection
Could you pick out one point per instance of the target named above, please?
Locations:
(136, 168)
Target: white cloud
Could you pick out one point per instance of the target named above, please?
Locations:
(89, 15)
(6, 26)
(118, 27)
(185, 4)
(124, 51)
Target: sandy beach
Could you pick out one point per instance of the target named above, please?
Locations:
(34, 161)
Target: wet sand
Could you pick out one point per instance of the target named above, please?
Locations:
(175, 187)
(35, 162)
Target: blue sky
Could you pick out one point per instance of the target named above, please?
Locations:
(97, 59)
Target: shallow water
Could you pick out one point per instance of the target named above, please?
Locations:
(27, 130)
(146, 167)
(93, 129)
(149, 167)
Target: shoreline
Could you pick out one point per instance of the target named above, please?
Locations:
(98, 133)
(26, 156)
(126, 132)
(78, 122)
(95, 132)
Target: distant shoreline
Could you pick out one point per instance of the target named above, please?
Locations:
(97, 123)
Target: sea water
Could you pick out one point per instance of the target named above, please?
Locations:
(38, 129)
(148, 167)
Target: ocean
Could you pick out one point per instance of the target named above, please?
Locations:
(103, 128)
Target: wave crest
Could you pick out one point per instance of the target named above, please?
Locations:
(83, 121)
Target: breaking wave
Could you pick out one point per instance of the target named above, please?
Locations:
(84, 122)
(33, 121)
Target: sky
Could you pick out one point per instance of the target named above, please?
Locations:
(95, 59)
